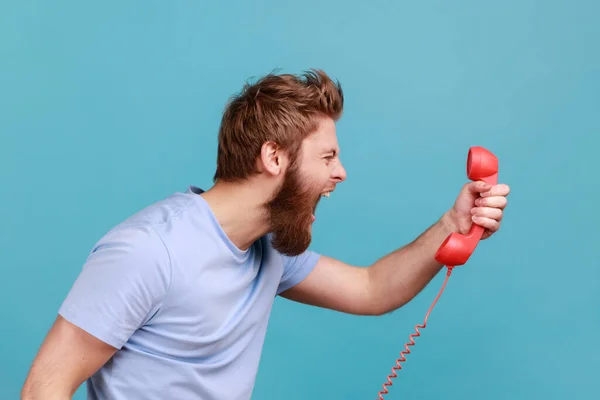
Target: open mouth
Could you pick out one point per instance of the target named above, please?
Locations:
(324, 194)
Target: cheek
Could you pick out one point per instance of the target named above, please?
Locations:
(320, 181)
(315, 177)
(317, 174)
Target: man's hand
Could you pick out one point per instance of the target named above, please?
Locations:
(480, 203)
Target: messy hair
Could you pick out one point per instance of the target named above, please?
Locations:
(281, 108)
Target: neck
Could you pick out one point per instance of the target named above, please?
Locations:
(240, 210)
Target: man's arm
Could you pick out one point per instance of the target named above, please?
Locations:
(397, 278)
(68, 356)
(386, 285)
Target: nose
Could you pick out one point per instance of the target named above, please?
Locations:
(339, 173)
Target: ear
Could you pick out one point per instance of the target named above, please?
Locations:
(273, 159)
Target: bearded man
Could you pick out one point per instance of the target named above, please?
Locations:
(174, 302)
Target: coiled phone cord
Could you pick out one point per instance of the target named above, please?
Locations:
(411, 341)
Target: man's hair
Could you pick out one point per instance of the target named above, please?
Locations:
(282, 108)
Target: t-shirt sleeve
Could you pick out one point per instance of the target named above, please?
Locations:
(121, 285)
(296, 268)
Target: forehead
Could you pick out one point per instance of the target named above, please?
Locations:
(324, 139)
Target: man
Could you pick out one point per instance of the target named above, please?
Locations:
(173, 303)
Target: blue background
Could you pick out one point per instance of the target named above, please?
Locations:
(108, 107)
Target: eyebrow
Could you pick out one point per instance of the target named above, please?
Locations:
(331, 151)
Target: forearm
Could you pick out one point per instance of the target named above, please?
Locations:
(398, 277)
(48, 377)
(42, 383)
(35, 390)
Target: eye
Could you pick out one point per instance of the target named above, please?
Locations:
(329, 156)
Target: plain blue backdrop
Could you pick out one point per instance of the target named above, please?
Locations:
(107, 107)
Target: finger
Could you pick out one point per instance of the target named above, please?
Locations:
(486, 234)
(487, 212)
(497, 190)
(477, 187)
(496, 201)
(488, 223)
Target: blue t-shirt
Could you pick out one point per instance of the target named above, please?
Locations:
(186, 308)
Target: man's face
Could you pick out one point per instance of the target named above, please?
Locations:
(314, 174)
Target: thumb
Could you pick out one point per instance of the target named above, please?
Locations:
(477, 187)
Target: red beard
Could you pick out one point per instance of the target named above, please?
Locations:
(291, 211)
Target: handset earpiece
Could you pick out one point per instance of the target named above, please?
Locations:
(456, 249)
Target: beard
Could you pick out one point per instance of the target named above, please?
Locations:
(291, 210)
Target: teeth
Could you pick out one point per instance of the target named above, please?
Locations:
(326, 194)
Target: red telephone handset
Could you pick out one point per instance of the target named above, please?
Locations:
(482, 165)
(456, 248)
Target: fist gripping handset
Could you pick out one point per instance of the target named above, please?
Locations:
(456, 249)
(482, 165)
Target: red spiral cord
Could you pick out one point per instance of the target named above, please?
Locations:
(411, 341)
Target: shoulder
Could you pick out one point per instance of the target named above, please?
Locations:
(163, 211)
(151, 228)
(138, 246)
(132, 252)
(122, 283)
